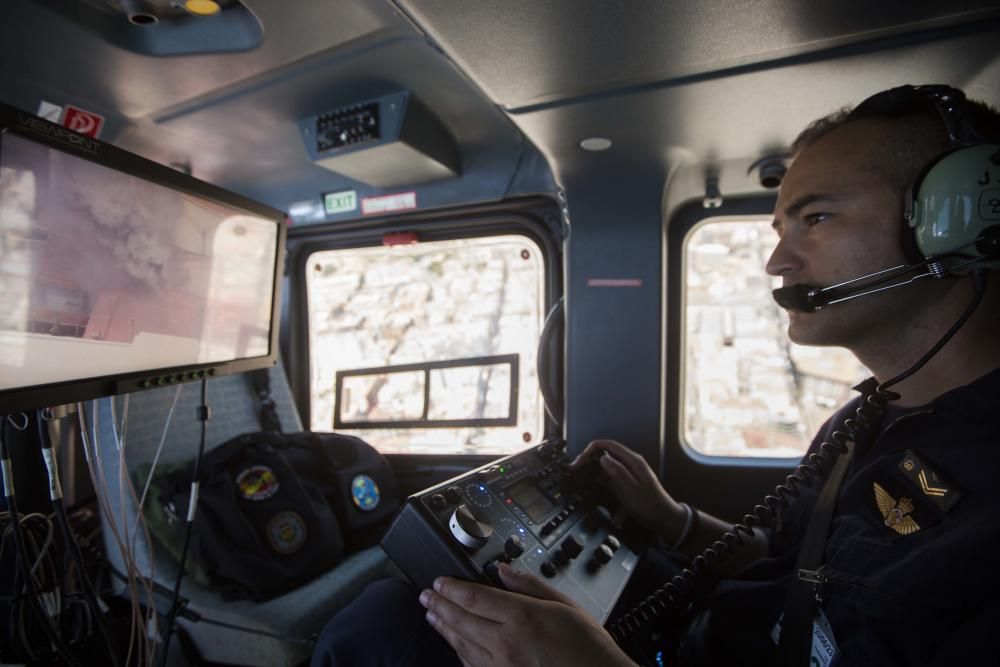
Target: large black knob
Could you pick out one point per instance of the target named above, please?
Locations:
(571, 547)
(548, 569)
(514, 546)
(469, 530)
(490, 570)
(603, 554)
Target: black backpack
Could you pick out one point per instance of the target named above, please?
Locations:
(272, 507)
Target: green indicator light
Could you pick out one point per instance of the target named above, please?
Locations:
(501, 469)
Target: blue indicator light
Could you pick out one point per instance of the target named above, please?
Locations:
(539, 551)
(482, 488)
(659, 658)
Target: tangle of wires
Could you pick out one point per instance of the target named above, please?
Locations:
(122, 537)
(675, 594)
(58, 596)
(47, 610)
(54, 612)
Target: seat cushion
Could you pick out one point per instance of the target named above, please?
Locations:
(297, 616)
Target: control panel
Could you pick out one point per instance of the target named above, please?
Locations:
(528, 510)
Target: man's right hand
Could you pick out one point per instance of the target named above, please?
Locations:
(636, 487)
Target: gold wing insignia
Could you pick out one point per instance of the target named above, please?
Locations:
(906, 526)
(896, 514)
(885, 502)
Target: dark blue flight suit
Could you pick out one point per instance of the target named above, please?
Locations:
(925, 592)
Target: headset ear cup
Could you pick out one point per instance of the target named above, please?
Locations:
(911, 225)
(952, 209)
(908, 235)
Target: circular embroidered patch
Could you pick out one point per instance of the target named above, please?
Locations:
(286, 531)
(365, 493)
(257, 483)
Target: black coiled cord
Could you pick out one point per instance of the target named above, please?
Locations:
(863, 424)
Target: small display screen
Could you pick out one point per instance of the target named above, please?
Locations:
(105, 273)
(530, 498)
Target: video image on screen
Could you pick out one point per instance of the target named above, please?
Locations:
(104, 273)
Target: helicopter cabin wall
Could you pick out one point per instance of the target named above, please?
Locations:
(614, 297)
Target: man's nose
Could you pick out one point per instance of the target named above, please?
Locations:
(783, 259)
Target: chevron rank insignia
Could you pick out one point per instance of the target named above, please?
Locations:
(895, 512)
(931, 484)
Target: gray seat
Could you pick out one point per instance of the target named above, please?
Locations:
(291, 620)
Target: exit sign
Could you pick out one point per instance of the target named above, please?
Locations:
(340, 202)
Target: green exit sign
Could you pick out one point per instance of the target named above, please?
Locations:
(340, 202)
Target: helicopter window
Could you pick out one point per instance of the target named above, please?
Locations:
(748, 391)
(421, 341)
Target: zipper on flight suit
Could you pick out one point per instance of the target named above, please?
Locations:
(817, 578)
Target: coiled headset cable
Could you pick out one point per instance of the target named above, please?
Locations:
(678, 591)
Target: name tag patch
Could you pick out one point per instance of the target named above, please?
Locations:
(824, 645)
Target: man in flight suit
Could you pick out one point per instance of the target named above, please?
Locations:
(908, 573)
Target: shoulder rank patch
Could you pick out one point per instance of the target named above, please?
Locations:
(932, 484)
(895, 512)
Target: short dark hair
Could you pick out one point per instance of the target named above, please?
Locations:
(915, 131)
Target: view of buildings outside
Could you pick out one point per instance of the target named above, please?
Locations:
(435, 301)
(747, 390)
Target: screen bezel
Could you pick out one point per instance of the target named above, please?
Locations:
(57, 137)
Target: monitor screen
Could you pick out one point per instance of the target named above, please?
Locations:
(105, 273)
(531, 499)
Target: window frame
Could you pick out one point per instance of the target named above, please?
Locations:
(535, 218)
(512, 361)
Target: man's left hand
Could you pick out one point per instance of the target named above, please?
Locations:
(530, 623)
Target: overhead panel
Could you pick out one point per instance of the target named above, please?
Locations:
(384, 142)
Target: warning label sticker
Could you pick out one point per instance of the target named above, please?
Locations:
(388, 203)
(86, 123)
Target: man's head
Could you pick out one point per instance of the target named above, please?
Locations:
(915, 131)
(840, 212)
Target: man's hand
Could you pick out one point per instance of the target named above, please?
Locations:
(636, 487)
(529, 624)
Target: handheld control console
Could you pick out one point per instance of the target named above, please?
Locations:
(527, 510)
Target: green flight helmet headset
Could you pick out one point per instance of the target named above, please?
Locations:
(952, 210)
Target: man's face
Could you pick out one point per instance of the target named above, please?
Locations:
(838, 219)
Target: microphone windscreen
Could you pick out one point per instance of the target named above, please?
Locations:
(795, 297)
